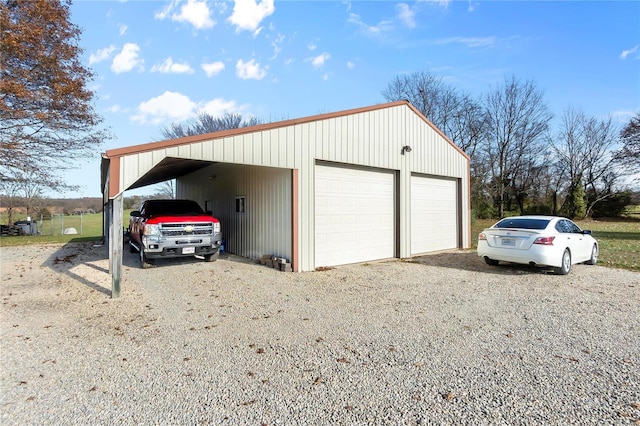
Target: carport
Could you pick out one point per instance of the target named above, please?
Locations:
(352, 186)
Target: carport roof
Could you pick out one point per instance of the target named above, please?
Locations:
(169, 168)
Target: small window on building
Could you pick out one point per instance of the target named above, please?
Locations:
(241, 204)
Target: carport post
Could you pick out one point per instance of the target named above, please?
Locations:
(116, 241)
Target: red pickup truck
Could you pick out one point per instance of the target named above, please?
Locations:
(173, 228)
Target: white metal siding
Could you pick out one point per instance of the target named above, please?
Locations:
(434, 214)
(372, 138)
(354, 215)
(266, 226)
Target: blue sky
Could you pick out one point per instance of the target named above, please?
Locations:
(158, 62)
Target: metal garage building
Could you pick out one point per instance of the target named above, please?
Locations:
(352, 186)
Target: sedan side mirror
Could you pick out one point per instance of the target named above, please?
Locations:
(586, 232)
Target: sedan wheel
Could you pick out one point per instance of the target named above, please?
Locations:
(594, 256)
(491, 262)
(566, 264)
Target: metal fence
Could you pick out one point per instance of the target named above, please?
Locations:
(57, 224)
(60, 224)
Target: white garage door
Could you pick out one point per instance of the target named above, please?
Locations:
(434, 214)
(354, 215)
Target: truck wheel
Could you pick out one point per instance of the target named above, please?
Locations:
(145, 262)
(212, 257)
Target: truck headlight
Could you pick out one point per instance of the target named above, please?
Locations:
(151, 230)
(216, 227)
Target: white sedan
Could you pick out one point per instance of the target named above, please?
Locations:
(538, 241)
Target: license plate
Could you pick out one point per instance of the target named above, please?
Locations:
(188, 250)
(508, 242)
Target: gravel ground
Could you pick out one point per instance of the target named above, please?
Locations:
(441, 339)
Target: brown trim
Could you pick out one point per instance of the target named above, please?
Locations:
(469, 205)
(459, 210)
(135, 149)
(295, 174)
(114, 177)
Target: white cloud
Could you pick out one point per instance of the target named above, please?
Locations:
(320, 60)
(213, 68)
(406, 15)
(218, 107)
(127, 59)
(116, 109)
(173, 107)
(626, 53)
(101, 54)
(277, 45)
(312, 46)
(250, 70)
(442, 3)
(122, 28)
(194, 12)
(351, 65)
(469, 41)
(248, 14)
(170, 106)
(170, 67)
(382, 26)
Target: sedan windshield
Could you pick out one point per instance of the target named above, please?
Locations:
(521, 223)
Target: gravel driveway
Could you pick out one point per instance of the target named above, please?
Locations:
(442, 339)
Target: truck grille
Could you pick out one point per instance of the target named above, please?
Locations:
(182, 229)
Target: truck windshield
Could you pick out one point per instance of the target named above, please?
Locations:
(173, 208)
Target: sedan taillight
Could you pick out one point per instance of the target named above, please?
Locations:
(545, 241)
(481, 236)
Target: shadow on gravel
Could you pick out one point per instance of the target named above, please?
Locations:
(85, 262)
(470, 261)
(133, 259)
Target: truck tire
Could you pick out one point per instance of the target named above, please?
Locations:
(212, 257)
(145, 262)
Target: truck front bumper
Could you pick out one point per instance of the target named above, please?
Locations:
(156, 247)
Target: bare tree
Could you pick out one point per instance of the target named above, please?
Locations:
(206, 123)
(10, 200)
(629, 154)
(601, 177)
(584, 161)
(456, 114)
(46, 109)
(517, 119)
(167, 189)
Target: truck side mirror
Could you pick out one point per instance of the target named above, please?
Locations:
(135, 213)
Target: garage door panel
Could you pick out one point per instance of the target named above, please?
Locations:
(434, 214)
(355, 220)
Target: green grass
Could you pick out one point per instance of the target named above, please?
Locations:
(619, 240)
(91, 231)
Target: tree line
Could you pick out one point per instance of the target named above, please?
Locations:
(519, 162)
